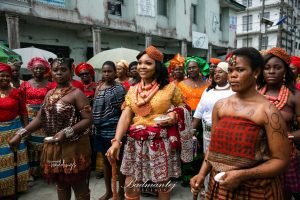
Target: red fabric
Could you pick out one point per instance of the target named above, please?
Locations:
(172, 132)
(84, 66)
(126, 85)
(37, 60)
(5, 68)
(12, 106)
(298, 86)
(295, 60)
(89, 90)
(34, 95)
(74, 83)
(236, 137)
(290, 179)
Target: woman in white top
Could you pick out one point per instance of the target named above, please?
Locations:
(218, 89)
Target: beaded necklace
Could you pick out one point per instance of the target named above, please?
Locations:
(145, 92)
(87, 86)
(278, 101)
(57, 94)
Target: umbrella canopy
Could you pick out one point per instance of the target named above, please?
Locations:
(113, 55)
(31, 52)
(7, 54)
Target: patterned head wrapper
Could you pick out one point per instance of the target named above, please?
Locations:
(223, 66)
(5, 68)
(215, 61)
(84, 66)
(178, 60)
(124, 64)
(203, 65)
(37, 60)
(280, 53)
(154, 53)
(295, 61)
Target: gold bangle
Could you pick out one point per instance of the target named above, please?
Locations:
(21, 132)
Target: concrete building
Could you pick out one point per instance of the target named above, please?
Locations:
(80, 28)
(253, 32)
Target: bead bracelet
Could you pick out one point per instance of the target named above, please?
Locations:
(115, 140)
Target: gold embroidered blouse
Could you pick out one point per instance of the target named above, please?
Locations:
(161, 102)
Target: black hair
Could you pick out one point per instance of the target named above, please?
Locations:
(212, 85)
(111, 64)
(161, 73)
(140, 54)
(64, 61)
(252, 55)
(290, 78)
(133, 63)
(50, 60)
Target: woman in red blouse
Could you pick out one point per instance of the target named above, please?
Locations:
(34, 92)
(13, 117)
(86, 72)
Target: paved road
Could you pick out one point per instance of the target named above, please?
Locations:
(40, 190)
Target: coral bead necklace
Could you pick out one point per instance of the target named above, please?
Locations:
(278, 101)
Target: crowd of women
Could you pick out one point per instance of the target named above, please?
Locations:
(148, 122)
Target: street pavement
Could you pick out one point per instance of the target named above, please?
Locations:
(40, 190)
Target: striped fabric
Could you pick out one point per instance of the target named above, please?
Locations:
(258, 189)
(7, 173)
(107, 110)
(239, 143)
(35, 142)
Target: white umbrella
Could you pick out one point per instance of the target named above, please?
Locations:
(31, 52)
(113, 55)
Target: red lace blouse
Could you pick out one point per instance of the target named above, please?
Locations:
(12, 105)
(34, 95)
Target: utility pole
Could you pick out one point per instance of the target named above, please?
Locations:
(261, 23)
(247, 23)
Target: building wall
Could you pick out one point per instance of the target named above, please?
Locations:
(276, 11)
(71, 26)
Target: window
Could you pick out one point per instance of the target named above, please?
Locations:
(247, 23)
(264, 42)
(194, 13)
(247, 3)
(114, 7)
(266, 15)
(247, 42)
(162, 7)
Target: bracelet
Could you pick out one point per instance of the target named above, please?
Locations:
(69, 132)
(115, 140)
(21, 132)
